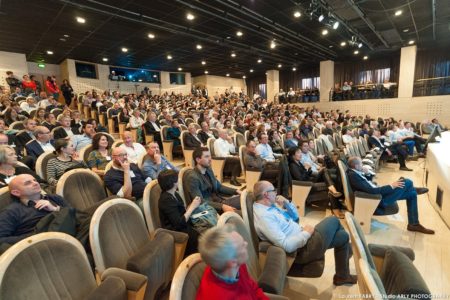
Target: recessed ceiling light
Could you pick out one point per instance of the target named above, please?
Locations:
(406, 30)
(244, 76)
(365, 57)
(272, 45)
(331, 46)
(151, 36)
(62, 39)
(49, 52)
(411, 42)
(140, 80)
(343, 44)
(228, 37)
(190, 17)
(321, 17)
(154, 76)
(66, 35)
(228, 75)
(259, 61)
(169, 57)
(398, 13)
(180, 69)
(356, 52)
(233, 54)
(105, 59)
(124, 49)
(280, 65)
(335, 25)
(81, 20)
(294, 69)
(360, 45)
(239, 33)
(325, 32)
(206, 72)
(199, 47)
(203, 62)
(251, 70)
(297, 14)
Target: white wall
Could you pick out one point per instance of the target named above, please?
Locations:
(15, 62)
(219, 83)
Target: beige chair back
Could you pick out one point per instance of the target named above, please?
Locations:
(41, 164)
(348, 192)
(186, 280)
(85, 151)
(5, 197)
(151, 196)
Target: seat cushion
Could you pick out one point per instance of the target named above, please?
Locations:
(400, 276)
(113, 288)
(192, 281)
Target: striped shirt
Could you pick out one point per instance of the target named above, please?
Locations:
(56, 168)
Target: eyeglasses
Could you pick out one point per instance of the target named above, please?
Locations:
(121, 155)
(271, 191)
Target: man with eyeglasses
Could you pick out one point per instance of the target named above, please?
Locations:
(41, 144)
(125, 179)
(276, 220)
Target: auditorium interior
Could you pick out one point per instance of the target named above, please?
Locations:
(219, 149)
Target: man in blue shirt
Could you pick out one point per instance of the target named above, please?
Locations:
(154, 162)
(265, 150)
(276, 221)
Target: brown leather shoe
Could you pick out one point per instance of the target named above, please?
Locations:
(338, 213)
(419, 228)
(350, 280)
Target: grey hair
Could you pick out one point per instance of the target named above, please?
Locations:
(352, 161)
(3, 156)
(260, 188)
(217, 248)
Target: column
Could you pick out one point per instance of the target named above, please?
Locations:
(407, 70)
(164, 82)
(272, 84)
(326, 79)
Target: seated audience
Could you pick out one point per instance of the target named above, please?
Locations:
(154, 162)
(134, 150)
(39, 116)
(205, 133)
(26, 135)
(67, 159)
(375, 140)
(204, 184)
(100, 155)
(136, 122)
(172, 213)
(49, 121)
(82, 140)
(65, 130)
(347, 136)
(76, 122)
(290, 141)
(192, 140)
(281, 227)
(275, 142)
(402, 189)
(265, 150)
(226, 276)
(18, 220)
(252, 160)
(152, 127)
(173, 134)
(224, 147)
(125, 179)
(41, 144)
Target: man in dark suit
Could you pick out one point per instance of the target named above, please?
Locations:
(394, 149)
(254, 161)
(205, 133)
(398, 190)
(152, 127)
(26, 135)
(192, 140)
(41, 144)
(202, 183)
(65, 130)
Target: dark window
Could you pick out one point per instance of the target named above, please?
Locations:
(86, 70)
(133, 75)
(177, 78)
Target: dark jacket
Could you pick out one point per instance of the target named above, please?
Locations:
(359, 184)
(22, 139)
(150, 129)
(60, 133)
(208, 191)
(34, 148)
(190, 142)
(203, 137)
(299, 172)
(171, 212)
(253, 161)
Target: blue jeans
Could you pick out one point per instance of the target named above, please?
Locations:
(410, 144)
(328, 234)
(408, 193)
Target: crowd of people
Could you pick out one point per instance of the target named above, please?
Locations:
(280, 142)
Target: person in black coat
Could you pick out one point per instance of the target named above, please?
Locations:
(67, 92)
(172, 213)
(152, 127)
(192, 140)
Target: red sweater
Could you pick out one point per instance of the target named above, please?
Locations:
(245, 289)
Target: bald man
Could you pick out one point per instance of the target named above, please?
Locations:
(224, 147)
(41, 144)
(18, 220)
(134, 150)
(125, 179)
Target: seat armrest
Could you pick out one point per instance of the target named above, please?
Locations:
(218, 158)
(276, 297)
(113, 288)
(253, 169)
(302, 183)
(380, 250)
(367, 195)
(273, 275)
(179, 237)
(265, 245)
(133, 281)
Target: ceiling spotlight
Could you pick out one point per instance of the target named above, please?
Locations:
(66, 35)
(124, 49)
(294, 69)
(360, 45)
(259, 61)
(155, 76)
(49, 52)
(190, 17)
(233, 54)
(343, 44)
(398, 13)
(280, 65)
(325, 32)
(203, 62)
(180, 69)
(206, 72)
(244, 76)
(228, 75)
(105, 59)
(356, 52)
(239, 33)
(409, 43)
(365, 57)
(335, 25)
(169, 57)
(140, 80)
(251, 70)
(81, 20)
(199, 47)
(151, 36)
(321, 17)
(272, 45)
(297, 14)
(406, 30)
